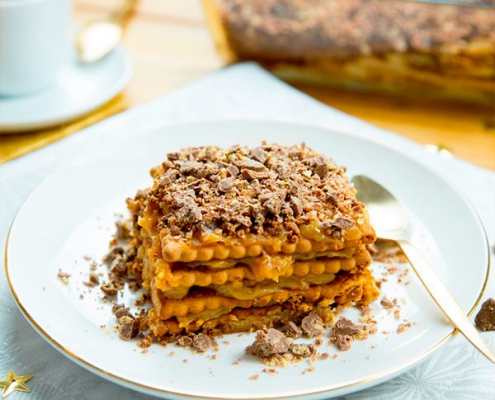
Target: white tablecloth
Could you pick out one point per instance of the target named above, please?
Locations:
(243, 91)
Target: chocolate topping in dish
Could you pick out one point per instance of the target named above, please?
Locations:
(485, 320)
(269, 190)
(298, 29)
(268, 343)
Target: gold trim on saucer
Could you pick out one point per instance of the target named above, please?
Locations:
(17, 144)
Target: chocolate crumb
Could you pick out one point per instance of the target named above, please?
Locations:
(225, 185)
(113, 254)
(259, 154)
(233, 170)
(63, 276)
(485, 319)
(93, 280)
(403, 327)
(129, 327)
(387, 303)
(185, 341)
(109, 288)
(121, 311)
(291, 330)
(296, 205)
(202, 342)
(268, 342)
(301, 349)
(252, 165)
(344, 332)
(312, 325)
(250, 175)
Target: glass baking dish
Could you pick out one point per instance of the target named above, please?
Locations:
(426, 49)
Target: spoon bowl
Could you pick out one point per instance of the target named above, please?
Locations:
(387, 215)
(99, 38)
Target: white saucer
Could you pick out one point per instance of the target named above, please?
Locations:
(79, 90)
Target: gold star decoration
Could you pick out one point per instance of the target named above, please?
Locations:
(14, 382)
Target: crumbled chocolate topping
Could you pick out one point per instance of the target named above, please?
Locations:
(312, 325)
(202, 342)
(113, 254)
(485, 319)
(63, 276)
(387, 303)
(302, 349)
(117, 266)
(92, 281)
(271, 190)
(109, 288)
(128, 328)
(123, 231)
(268, 342)
(291, 330)
(403, 327)
(344, 332)
(120, 311)
(225, 185)
(259, 154)
(118, 260)
(185, 341)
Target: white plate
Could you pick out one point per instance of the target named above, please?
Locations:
(80, 89)
(71, 215)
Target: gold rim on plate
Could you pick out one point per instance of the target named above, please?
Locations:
(212, 396)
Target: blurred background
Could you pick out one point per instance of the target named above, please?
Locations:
(172, 44)
(423, 70)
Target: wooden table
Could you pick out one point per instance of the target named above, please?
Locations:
(172, 46)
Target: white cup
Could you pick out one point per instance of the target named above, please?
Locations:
(34, 44)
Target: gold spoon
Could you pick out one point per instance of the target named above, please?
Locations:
(390, 221)
(98, 38)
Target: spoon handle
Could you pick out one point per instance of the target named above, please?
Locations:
(125, 13)
(443, 298)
